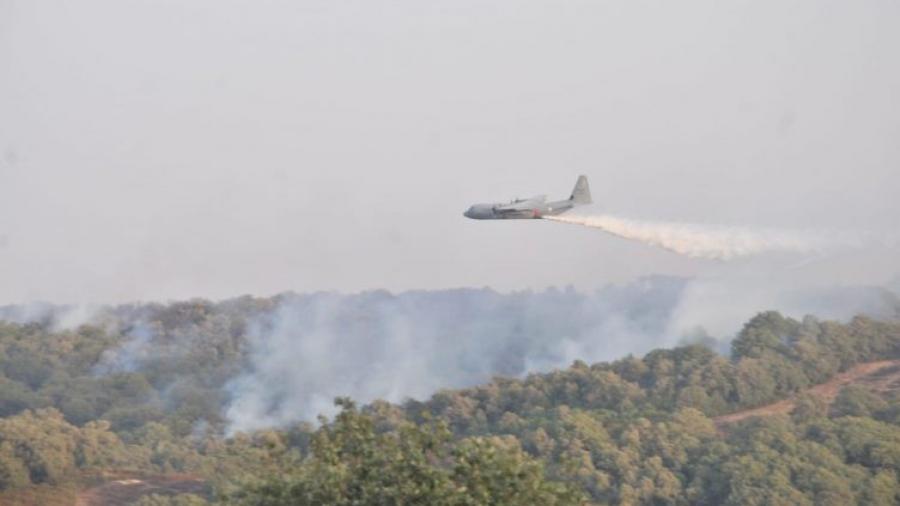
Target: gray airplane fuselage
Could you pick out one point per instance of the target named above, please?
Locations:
(536, 210)
(533, 208)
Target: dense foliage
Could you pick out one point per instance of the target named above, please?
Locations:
(350, 462)
(634, 431)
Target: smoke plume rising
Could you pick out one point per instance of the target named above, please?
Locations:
(377, 345)
(262, 362)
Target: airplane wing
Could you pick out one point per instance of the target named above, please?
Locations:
(521, 204)
(515, 206)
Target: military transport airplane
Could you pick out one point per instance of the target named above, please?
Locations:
(533, 208)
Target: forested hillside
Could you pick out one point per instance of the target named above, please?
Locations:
(145, 390)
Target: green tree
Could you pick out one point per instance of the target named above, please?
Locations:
(351, 463)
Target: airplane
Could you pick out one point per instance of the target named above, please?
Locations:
(534, 208)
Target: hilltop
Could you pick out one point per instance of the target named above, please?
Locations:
(132, 407)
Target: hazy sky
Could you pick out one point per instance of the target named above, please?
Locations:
(155, 149)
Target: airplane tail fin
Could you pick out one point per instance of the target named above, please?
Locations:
(582, 192)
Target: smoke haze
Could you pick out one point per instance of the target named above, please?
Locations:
(313, 348)
(155, 150)
(382, 346)
(274, 361)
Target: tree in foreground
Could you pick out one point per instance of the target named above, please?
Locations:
(352, 463)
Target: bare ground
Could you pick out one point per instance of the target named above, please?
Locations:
(124, 488)
(882, 376)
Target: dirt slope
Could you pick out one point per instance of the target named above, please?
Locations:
(43, 495)
(126, 488)
(881, 376)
